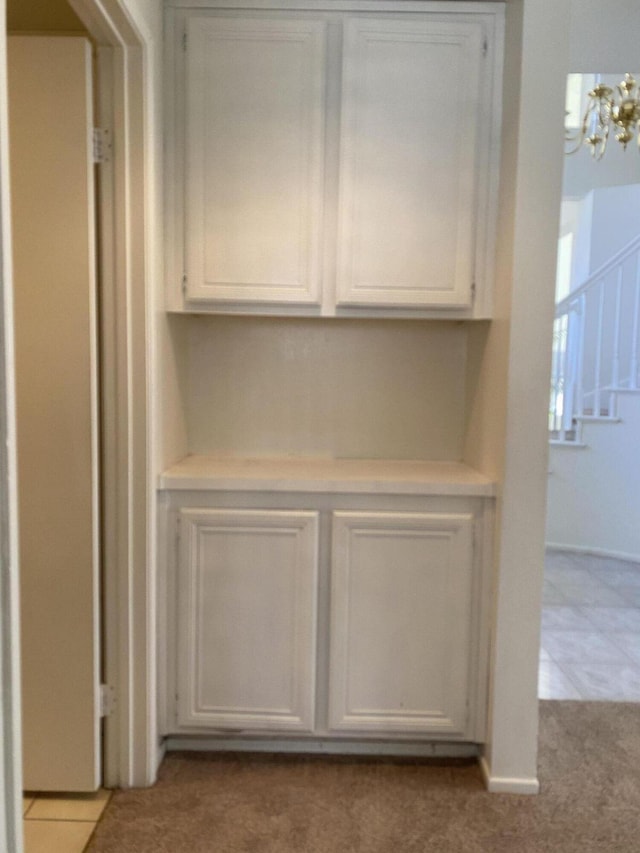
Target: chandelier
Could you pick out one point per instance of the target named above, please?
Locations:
(608, 109)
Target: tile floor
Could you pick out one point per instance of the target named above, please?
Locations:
(590, 629)
(61, 823)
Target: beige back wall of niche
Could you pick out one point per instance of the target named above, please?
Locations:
(42, 16)
(337, 388)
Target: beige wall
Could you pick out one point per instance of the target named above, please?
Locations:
(50, 113)
(343, 388)
(168, 344)
(42, 16)
(10, 715)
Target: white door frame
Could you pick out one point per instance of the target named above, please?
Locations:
(10, 730)
(131, 751)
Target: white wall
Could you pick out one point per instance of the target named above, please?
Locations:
(604, 36)
(602, 223)
(615, 219)
(594, 499)
(576, 220)
(509, 366)
(617, 168)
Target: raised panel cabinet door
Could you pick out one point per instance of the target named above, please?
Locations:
(408, 163)
(254, 159)
(400, 622)
(247, 619)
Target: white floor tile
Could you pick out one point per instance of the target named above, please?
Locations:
(590, 628)
(629, 594)
(69, 806)
(623, 619)
(617, 574)
(554, 684)
(582, 647)
(565, 618)
(56, 836)
(629, 643)
(590, 592)
(552, 595)
(605, 681)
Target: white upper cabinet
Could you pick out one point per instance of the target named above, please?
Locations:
(334, 162)
(408, 174)
(254, 159)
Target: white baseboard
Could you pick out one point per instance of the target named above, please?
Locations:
(596, 552)
(507, 785)
(162, 751)
(319, 746)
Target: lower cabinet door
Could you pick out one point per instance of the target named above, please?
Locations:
(401, 598)
(247, 619)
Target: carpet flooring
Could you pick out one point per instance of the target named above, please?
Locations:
(589, 770)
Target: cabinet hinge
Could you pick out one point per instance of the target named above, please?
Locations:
(107, 700)
(485, 47)
(184, 284)
(184, 40)
(101, 145)
(473, 291)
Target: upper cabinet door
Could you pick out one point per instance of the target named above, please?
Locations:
(409, 162)
(254, 159)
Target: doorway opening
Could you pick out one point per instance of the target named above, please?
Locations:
(131, 747)
(591, 615)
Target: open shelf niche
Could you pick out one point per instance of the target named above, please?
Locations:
(319, 398)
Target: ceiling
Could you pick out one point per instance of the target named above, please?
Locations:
(42, 16)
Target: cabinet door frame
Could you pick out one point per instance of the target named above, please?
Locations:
(456, 718)
(192, 711)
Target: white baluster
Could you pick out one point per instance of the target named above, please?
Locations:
(582, 316)
(565, 421)
(633, 379)
(571, 365)
(615, 361)
(597, 389)
(555, 373)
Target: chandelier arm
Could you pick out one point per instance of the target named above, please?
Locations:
(581, 133)
(608, 108)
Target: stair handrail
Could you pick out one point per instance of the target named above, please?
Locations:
(614, 354)
(566, 305)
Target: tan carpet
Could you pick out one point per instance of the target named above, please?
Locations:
(590, 800)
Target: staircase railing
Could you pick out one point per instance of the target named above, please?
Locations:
(595, 345)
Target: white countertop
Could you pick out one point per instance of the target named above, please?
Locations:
(317, 474)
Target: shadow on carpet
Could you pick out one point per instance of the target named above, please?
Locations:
(589, 770)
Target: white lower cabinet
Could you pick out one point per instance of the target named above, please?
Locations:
(247, 619)
(328, 620)
(401, 588)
